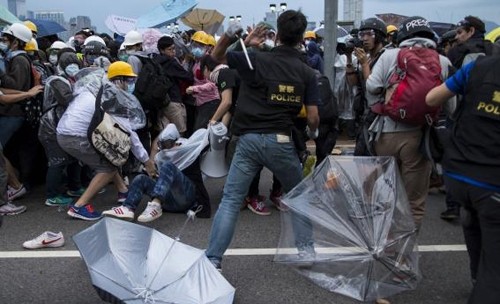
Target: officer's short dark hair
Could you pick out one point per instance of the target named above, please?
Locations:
(291, 27)
(164, 42)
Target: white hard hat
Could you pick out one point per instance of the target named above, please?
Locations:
(19, 31)
(122, 47)
(94, 38)
(58, 45)
(132, 38)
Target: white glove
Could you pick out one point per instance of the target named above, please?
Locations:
(312, 134)
(234, 28)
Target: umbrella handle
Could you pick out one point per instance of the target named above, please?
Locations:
(246, 54)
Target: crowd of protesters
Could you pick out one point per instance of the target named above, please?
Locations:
(48, 99)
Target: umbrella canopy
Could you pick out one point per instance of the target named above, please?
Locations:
(130, 263)
(47, 27)
(6, 17)
(169, 11)
(341, 32)
(207, 20)
(364, 234)
(120, 25)
(494, 35)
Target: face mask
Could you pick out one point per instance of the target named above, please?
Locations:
(4, 47)
(123, 57)
(53, 59)
(197, 52)
(131, 88)
(130, 52)
(269, 43)
(72, 69)
(307, 42)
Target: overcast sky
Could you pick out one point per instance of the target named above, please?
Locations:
(254, 10)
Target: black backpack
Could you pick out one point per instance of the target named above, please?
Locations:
(327, 108)
(152, 85)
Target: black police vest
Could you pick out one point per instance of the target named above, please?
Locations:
(275, 97)
(475, 141)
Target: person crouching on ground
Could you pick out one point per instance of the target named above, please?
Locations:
(172, 190)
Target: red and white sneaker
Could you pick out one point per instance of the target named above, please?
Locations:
(275, 197)
(47, 239)
(257, 206)
(151, 213)
(121, 212)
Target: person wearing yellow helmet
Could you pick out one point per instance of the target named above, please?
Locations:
(392, 34)
(309, 36)
(200, 44)
(32, 27)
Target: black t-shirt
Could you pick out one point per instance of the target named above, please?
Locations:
(272, 94)
(229, 79)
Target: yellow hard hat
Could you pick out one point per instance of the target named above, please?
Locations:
(211, 40)
(120, 68)
(32, 45)
(310, 34)
(201, 37)
(31, 26)
(391, 28)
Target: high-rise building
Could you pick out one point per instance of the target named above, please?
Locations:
(78, 23)
(55, 16)
(18, 8)
(353, 11)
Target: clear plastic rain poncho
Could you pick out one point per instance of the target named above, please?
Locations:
(89, 79)
(363, 230)
(121, 104)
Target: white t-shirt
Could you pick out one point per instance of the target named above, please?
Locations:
(76, 119)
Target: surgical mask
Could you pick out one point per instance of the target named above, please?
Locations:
(72, 69)
(130, 87)
(130, 52)
(269, 43)
(198, 52)
(123, 57)
(307, 42)
(4, 47)
(53, 59)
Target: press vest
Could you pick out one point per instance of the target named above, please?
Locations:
(269, 103)
(475, 141)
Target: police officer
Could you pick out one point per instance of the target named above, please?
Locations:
(274, 86)
(472, 168)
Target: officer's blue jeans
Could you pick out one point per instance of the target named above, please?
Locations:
(253, 152)
(175, 190)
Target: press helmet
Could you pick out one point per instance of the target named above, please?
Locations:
(132, 38)
(95, 48)
(415, 26)
(120, 68)
(19, 31)
(374, 24)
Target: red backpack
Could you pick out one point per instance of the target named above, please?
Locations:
(418, 71)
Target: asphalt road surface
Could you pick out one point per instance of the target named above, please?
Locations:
(32, 277)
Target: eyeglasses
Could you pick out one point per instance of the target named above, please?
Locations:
(361, 34)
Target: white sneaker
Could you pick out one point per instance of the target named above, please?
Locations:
(11, 209)
(151, 213)
(121, 212)
(45, 240)
(13, 193)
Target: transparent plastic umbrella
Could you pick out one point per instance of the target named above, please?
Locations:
(364, 234)
(130, 263)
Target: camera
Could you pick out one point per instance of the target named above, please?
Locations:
(349, 45)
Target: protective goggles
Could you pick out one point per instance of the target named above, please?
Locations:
(363, 33)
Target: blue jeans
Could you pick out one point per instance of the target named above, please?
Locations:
(253, 152)
(175, 191)
(10, 124)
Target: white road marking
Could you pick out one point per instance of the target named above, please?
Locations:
(229, 252)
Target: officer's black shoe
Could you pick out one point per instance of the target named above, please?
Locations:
(450, 214)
